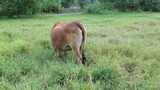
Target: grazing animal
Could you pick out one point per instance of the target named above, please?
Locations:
(69, 36)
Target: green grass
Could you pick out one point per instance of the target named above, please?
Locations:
(123, 53)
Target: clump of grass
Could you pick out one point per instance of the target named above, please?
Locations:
(7, 36)
(17, 46)
(107, 77)
(10, 71)
(130, 67)
(45, 44)
(21, 46)
(74, 85)
(5, 85)
(126, 51)
(26, 67)
(6, 49)
(83, 75)
(58, 77)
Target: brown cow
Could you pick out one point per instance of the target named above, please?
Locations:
(69, 36)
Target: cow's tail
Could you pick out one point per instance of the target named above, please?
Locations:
(84, 34)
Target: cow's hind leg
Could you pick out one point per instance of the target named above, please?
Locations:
(83, 57)
(77, 51)
(60, 55)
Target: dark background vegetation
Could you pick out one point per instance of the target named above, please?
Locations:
(29, 7)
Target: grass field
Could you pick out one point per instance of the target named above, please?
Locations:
(123, 53)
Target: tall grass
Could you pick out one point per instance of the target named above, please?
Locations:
(122, 54)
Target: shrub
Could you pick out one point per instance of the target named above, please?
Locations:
(124, 5)
(67, 3)
(50, 6)
(145, 5)
(94, 8)
(18, 7)
(121, 5)
(83, 3)
(150, 5)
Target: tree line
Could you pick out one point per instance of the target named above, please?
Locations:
(30, 7)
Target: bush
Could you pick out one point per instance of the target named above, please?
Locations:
(150, 5)
(94, 8)
(67, 3)
(50, 6)
(18, 7)
(145, 5)
(123, 5)
(83, 3)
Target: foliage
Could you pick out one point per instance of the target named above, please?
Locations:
(150, 5)
(94, 8)
(18, 7)
(125, 5)
(50, 6)
(145, 5)
(67, 3)
(29, 7)
(83, 3)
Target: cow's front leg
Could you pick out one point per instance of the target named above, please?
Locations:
(57, 52)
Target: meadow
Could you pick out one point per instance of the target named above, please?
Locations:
(122, 49)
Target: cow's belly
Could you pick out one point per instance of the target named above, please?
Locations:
(66, 47)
